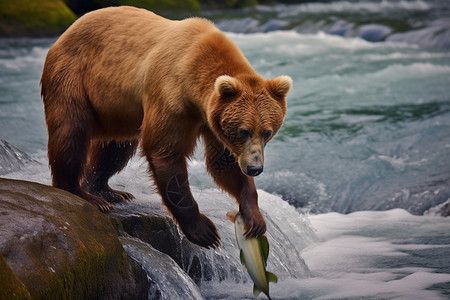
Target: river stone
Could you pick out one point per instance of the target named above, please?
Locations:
(54, 245)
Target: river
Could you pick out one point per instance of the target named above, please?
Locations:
(361, 164)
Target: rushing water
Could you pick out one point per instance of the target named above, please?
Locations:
(365, 149)
(423, 22)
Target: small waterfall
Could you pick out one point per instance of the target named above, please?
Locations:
(167, 280)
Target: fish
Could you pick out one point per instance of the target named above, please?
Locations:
(254, 252)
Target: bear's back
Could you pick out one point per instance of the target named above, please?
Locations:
(117, 38)
(119, 43)
(130, 28)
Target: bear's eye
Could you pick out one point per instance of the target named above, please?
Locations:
(243, 134)
(267, 134)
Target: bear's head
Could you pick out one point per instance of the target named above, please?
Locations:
(245, 112)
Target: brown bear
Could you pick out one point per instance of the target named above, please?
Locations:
(121, 76)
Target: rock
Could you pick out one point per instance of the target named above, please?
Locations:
(12, 158)
(151, 224)
(442, 209)
(12, 288)
(274, 25)
(374, 32)
(34, 18)
(54, 245)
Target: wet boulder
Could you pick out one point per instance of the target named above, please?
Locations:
(54, 245)
(374, 32)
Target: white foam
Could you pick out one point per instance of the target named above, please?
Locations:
(346, 259)
(21, 61)
(402, 163)
(378, 285)
(394, 71)
(289, 38)
(406, 56)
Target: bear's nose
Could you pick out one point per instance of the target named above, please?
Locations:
(253, 170)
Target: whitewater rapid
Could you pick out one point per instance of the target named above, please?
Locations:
(384, 255)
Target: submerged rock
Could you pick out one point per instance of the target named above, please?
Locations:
(374, 32)
(54, 245)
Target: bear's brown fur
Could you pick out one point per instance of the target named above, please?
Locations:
(120, 76)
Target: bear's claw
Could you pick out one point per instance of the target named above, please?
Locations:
(201, 232)
(101, 204)
(254, 224)
(110, 195)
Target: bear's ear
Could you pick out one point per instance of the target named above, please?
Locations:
(226, 86)
(280, 86)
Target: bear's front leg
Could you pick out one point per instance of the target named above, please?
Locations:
(170, 176)
(248, 206)
(228, 176)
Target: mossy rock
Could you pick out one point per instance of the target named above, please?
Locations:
(12, 288)
(54, 245)
(34, 18)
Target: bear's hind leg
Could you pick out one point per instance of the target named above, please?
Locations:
(105, 160)
(68, 140)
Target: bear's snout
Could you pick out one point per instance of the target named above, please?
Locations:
(253, 170)
(251, 160)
